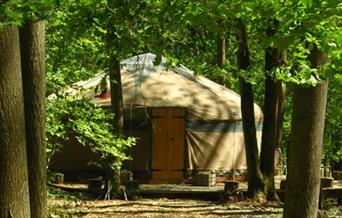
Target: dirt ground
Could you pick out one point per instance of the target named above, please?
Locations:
(64, 204)
(162, 207)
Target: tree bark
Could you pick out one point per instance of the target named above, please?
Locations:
(305, 150)
(269, 136)
(117, 108)
(116, 95)
(280, 119)
(221, 58)
(255, 179)
(32, 46)
(113, 180)
(221, 51)
(273, 58)
(14, 190)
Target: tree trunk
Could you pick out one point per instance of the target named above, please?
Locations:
(221, 57)
(273, 58)
(14, 190)
(32, 45)
(280, 119)
(113, 180)
(221, 51)
(117, 108)
(116, 95)
(269, 136)
(305, 150)
(255, 180)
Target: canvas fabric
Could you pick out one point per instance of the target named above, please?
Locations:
(213, 134)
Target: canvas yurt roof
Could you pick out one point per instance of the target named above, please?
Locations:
(146, 85)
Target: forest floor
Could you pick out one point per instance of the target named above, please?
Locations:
(161, 207)
(63, 204)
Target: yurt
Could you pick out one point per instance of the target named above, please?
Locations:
(183, 123)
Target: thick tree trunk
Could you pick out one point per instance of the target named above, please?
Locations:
(273, 58)
(14, 190)
(269, 136)
(32, 45)
(304, 152)
(255, 179)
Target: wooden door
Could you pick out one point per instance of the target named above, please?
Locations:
(167, 145)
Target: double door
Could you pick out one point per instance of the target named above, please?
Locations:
(167, 145)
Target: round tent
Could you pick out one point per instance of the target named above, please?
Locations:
(178, 117)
